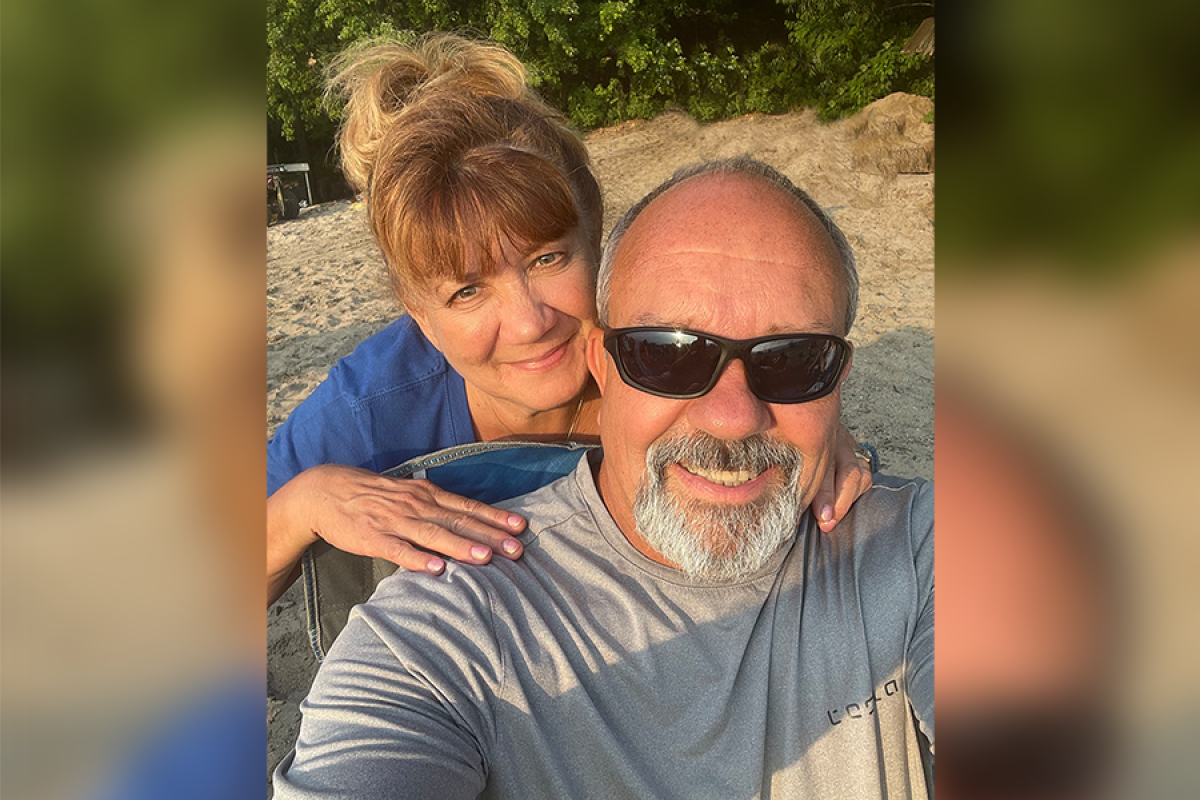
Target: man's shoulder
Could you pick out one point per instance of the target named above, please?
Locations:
(890, 525)
(562, 502)
(892, 492)
(550, 510)
(894, 507)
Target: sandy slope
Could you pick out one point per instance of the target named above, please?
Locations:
(872, 171)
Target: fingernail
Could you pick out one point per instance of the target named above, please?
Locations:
(435, 565)
(826, 513)
(479, 552)
(515, 521)
(510, 546)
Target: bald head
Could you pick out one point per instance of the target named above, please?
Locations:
(729, 255)
(735, 204)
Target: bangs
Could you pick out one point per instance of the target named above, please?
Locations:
(454, 220)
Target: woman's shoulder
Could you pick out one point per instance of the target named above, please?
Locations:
(396, 357)
(392, 399)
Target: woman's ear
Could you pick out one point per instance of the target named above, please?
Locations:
(597, 358)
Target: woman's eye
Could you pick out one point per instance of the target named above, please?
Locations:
(547, 259)
(465, 293)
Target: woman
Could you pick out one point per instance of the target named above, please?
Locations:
(489, 220)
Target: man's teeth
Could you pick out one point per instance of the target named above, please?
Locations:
(722, 476)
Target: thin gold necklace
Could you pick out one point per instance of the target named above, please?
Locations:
(575, 420)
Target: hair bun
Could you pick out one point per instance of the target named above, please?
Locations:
(379, 79)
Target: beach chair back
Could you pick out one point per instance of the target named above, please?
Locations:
(491, 472)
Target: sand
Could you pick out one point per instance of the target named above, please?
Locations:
(872, 172)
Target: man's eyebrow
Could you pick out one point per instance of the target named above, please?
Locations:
(652, 320)
(819, 326)
(644, 320)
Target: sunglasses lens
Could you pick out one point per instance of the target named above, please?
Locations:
(668, 362)
(795, 370)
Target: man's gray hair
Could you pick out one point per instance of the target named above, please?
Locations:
(741, 165)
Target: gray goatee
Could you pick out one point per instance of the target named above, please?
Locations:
(717, 542)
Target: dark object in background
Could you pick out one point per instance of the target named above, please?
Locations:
(283, 198)
(282, 202)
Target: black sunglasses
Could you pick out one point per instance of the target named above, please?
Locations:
(681, 364)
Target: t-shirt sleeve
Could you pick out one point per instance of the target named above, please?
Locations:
(919, 671)
(321, 430)
(400, 706)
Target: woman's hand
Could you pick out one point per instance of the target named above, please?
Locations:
(849, 478)
(405, 521)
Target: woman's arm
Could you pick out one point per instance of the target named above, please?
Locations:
(405, 521)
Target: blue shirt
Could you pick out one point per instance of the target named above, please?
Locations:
(394, 398)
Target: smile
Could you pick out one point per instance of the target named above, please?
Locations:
(734, 487)
(547, 360)
(723, 477)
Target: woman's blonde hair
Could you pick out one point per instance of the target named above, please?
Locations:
(456, 154)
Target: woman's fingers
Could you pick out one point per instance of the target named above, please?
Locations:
(851, 484)
(844, 482)
(502, 526)
(433, 541)
(470, 525)
(404, 555)
(434, 521)
(410, 522)
(460, 537)
(823, 502)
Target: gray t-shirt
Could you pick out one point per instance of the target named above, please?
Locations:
(585, 670)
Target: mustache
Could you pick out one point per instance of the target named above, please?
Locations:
(698, 449)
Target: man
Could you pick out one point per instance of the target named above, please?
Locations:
(678, 626)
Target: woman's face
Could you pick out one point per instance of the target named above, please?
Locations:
(518, 334)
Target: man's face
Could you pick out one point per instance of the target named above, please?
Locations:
(735, 257)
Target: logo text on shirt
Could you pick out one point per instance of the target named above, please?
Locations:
(864, 709)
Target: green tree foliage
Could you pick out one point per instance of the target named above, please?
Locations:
(604, 61)
(850, 51)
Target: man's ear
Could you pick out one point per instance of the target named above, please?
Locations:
(597, 358)
(420, 317)
(849, 363)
